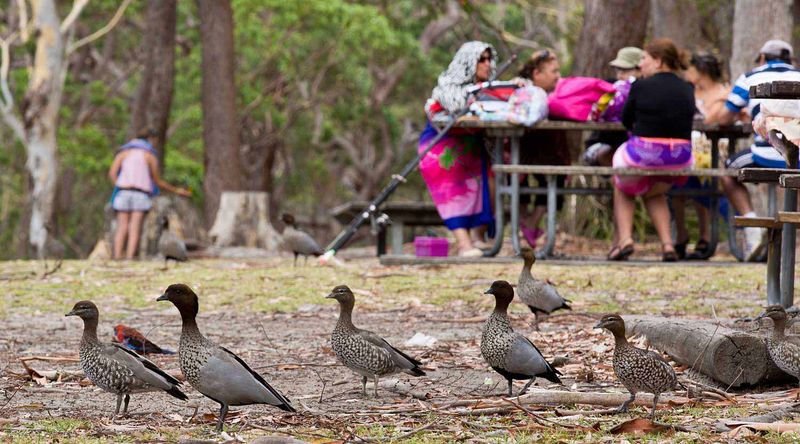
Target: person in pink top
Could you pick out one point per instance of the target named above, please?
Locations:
(135, 175)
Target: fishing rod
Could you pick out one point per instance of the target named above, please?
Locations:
(370, 211)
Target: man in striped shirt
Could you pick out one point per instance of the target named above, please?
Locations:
(774, 63)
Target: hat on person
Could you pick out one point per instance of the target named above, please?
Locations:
(778, 48)
(627, 58)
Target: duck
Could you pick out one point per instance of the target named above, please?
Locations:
(540, 296)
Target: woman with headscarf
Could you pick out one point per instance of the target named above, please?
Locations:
(456, 169)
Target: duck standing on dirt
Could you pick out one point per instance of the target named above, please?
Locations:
(637, 369)
(783, 349)
(170, 245)
(115, 369)
(215, 371)
(540, 296)
(362, 351)
(297, 241)
(512, 355)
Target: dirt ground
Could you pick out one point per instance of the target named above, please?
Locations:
(286, 340)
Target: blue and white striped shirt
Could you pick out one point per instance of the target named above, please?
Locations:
(774, 70)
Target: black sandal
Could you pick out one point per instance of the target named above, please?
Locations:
(680, 249)
(620, 253)
(702, 251)
(669, 256)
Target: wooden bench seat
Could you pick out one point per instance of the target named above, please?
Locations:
(789, 181)
(610, 171)
(764, 175)
(789, 217)
(758, 222)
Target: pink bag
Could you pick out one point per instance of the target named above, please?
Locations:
(574, 97)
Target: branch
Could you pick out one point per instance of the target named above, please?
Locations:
(102, 31)
(7, 102)
(440, 26)
(77, 7)
(23, 20)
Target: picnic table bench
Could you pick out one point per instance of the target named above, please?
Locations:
(500, 131)
(780, 225)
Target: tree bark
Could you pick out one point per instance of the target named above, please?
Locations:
(755, 22)
(243, 221)
(608, 25)
(220, 127)
(40, 119)
(153, 101)
(678, 20)
(731, 357)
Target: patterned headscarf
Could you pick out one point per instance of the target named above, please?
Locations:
(451, 91)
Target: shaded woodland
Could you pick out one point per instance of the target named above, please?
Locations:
(314, 102)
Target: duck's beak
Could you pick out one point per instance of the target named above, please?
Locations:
(163, 297)
(71, 313)
(330, 296)
(598, 325)
(489, 291)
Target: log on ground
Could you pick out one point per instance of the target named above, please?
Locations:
(731, 357)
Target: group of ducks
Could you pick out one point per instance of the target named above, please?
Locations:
(224, 377)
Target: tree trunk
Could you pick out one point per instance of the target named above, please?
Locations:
(154, 97)
(608, 25)
(243, 220)
(220, 127)
(731, 357)
(677, 20)
(40, 119)
(755, 22)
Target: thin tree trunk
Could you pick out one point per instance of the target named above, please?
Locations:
(679, 21)
(153, 101)
(608, 25)
(755, 22)
(220, 127)
(40, 118)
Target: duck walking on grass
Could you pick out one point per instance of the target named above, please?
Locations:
(215, 371)
(637, 369)
(362, 351)
(512, 355)
(115, 369)
(783, 349)
(540, 296)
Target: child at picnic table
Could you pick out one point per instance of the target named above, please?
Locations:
(658, 113)
(456, 169)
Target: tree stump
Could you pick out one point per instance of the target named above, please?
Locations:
(243, 220)
(731, 357)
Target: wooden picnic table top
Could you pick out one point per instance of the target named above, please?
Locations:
(473, 122)
(779, 89)
(611, 171)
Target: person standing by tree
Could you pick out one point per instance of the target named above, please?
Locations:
(136, 179)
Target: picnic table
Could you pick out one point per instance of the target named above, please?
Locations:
(500, 131)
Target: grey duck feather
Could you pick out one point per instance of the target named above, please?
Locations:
(363, 351)
(215, 371)
(116, 369)
(510, 354)
(297, 241)
(637, 369)
(783, 349)
(540, 296)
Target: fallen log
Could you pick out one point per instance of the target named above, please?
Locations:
(733, 358)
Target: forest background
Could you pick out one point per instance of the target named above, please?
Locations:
(316, 102)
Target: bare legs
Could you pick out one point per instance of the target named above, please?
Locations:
(656, 203)
(129, 225)
(737, 194)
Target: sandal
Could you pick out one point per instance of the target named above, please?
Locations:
(702, 251)
(680, 249)
(619, 253)
(669, 256)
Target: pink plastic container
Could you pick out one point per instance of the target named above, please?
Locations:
(430, 246)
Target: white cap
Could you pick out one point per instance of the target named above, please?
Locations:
(776, 48)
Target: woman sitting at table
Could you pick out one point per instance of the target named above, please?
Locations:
(710, 93)
(456, 169)
(658, 113)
